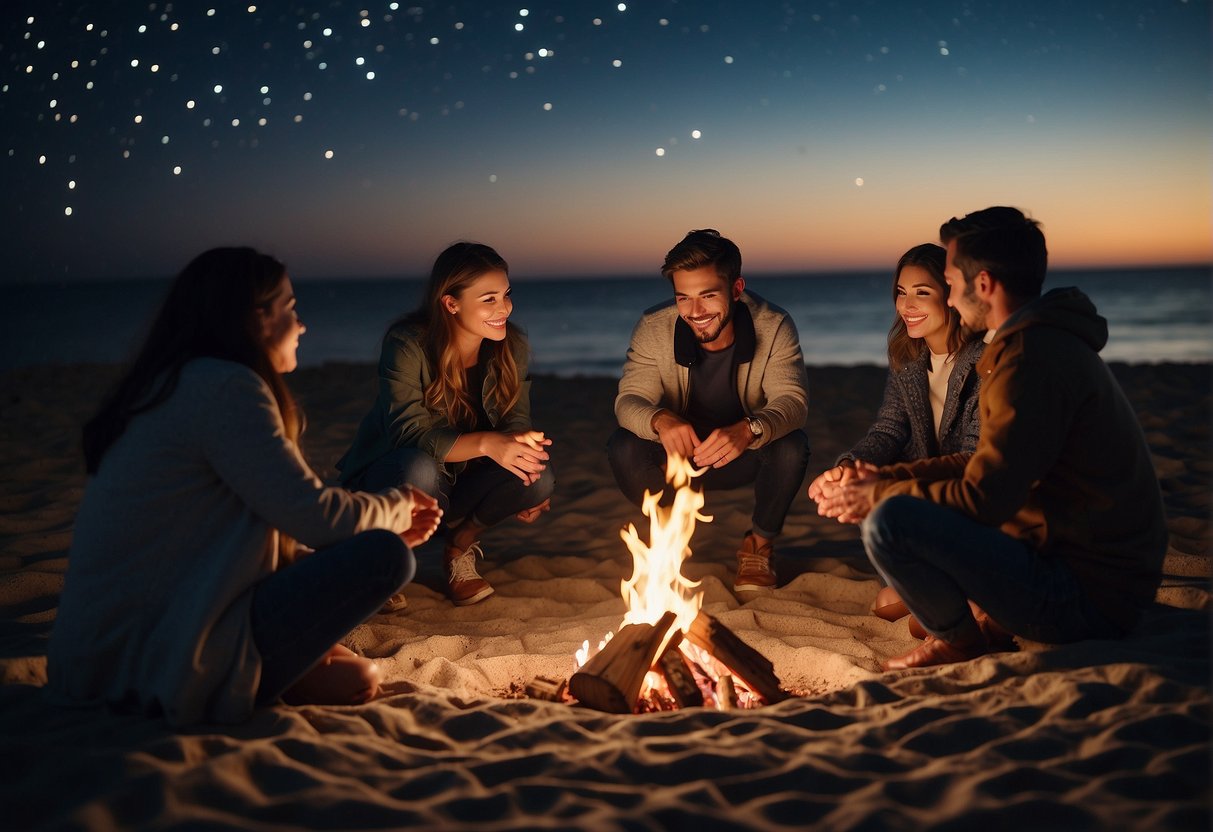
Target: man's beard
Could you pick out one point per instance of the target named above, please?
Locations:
(977, 307)
(707, 336)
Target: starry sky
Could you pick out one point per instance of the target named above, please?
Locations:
(585, 138)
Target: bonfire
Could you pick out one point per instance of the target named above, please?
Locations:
(667, 654)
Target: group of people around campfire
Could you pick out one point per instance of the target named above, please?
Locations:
(1005, 489)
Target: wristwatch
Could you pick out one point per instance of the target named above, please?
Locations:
(755, 427)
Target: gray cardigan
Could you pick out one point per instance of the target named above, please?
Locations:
(771, 379)
(904, 428)
(174, 530)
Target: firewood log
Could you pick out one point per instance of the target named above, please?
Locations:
(678, 675)
(611, 680)
(746, 663)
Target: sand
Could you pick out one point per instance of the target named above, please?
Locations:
(1101, 734)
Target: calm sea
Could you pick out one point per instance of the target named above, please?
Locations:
(581, 327)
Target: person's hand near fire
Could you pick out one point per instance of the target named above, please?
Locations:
(850, 497)
(722, 446)
(840, 474)
(426, 516)
(523, 452)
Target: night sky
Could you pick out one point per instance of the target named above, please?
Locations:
(580, 138)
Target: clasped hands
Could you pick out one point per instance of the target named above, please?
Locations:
(846, 492)
(524, 453)
(722, 446)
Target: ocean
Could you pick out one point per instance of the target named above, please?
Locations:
(581, 327)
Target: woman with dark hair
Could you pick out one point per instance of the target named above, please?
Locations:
(186, 593)
(453, 412)
(930, 397)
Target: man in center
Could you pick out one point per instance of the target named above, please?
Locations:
(716, 376)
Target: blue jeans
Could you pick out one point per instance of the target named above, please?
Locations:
(938, 558)
(302, 610)
(482, 491)
(776, 470)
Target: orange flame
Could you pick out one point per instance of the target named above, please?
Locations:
(657, 584)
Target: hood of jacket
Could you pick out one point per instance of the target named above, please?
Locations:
(1067, 309)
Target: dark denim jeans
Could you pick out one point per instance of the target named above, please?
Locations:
(938, 559)
(483, 490)
(301, 611)
(776, 470)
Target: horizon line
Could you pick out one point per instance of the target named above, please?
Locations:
(614, 275)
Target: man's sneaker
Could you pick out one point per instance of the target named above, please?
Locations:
(466, 585)
(754, 570)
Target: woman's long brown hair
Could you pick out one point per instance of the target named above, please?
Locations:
(210, 311)
(455, 269)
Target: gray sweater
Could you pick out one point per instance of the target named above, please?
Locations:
(175, 529)
(904, 429)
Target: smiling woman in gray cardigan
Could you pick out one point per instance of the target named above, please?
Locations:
(930, 398)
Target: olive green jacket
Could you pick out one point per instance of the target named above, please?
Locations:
(399, 417)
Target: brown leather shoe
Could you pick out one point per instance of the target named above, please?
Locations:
(465, 586)
(934, 651)
(999, 639)
(754, 570)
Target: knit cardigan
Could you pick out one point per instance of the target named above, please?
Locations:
(174, 531)
(904, 427)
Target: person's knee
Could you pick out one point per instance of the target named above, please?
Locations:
(885, 523)
(635, 463)
(543, 488)
(398, 564)
(790, 452)
(625, 449)
(420, 470)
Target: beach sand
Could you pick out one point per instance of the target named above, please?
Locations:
(1101, 734)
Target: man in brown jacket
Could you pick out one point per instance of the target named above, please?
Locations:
(1054, 526)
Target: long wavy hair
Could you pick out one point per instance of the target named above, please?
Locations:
(210, 311)
(903, 349)
(454, 270)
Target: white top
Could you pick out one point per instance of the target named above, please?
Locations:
(937, 380)
(172, 534)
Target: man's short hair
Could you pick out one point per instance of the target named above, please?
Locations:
(1002, 242)
(704, 247)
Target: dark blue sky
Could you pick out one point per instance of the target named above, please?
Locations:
(360, 138)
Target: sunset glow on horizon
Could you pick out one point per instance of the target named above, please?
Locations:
(355, 139)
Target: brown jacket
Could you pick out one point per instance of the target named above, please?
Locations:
(1062, 462)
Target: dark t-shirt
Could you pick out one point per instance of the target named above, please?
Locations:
(713, 400)
(475, 379)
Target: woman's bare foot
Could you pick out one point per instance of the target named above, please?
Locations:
(341, 678)
(888, 605)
